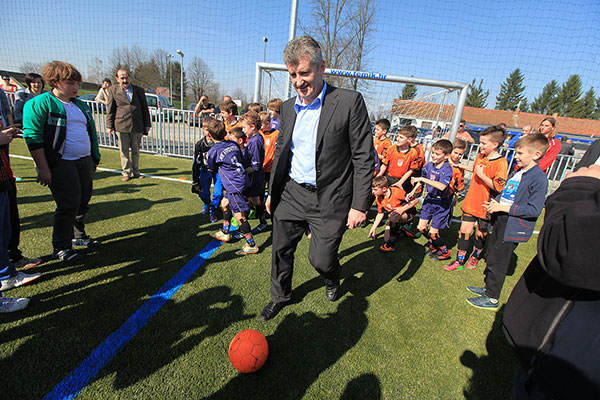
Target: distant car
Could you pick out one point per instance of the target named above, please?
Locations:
(157, 105)
(92, 98)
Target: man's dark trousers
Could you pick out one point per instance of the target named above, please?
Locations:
(297, 211)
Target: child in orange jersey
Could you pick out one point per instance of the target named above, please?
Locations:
(382, 143)
(397, 164)
(489, 178)
(390, 199)
(419, 160)
(458, 173)
(229, 113)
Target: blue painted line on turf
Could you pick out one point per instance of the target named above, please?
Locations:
(74, 383)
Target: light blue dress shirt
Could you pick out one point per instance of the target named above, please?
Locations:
(304, 139)
(129, 93)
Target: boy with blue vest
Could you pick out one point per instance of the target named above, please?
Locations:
(514, 213)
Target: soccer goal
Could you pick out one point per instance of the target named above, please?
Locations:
(431, 103)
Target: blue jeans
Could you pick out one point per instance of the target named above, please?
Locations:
(6, 268)
(217, 192)
(205, 179)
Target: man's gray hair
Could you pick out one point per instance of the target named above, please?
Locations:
(302, 46)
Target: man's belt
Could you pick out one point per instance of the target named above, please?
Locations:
(308, 186)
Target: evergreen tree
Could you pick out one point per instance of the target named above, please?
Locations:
(570, 101)
(547, 101)
(409, 92)
(476, 96)
(511, 91)
(524, 107)
(589, 105)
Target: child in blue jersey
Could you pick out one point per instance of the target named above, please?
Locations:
(255, 155)
(514, 213)
(225, 158)
(437, 206)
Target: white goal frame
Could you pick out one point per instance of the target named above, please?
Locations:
(375, 76)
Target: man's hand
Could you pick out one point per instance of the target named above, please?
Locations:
(593, 171)
(355, 218)
(44, 177)
(268, 205)
(109, 131)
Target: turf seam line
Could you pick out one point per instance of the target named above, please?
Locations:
(116, 171)
(81, 376)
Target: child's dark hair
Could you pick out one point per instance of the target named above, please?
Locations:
(237, 133)
(534, 142)
(383, 123)
(459, 144)
(32, 76)
(215, 128)
(444, 145)
(380, 182)
(229, 106)
(409, 131)
(495, 133)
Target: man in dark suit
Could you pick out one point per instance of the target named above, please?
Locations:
(128, 115)
(321, 176)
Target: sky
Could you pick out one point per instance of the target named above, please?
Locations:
(446, 40)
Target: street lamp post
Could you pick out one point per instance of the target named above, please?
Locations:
(181, 54)
(265, 39)
(169, 57)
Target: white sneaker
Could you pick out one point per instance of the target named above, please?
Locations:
(12, 304)
(25, 263)
(20, 279)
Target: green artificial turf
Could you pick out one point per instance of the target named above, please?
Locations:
(401, 330)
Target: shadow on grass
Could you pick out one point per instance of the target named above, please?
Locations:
(302, 347)
(494, 373)
(90, 306)
(366, 386)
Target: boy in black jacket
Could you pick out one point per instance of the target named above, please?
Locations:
(201, 178)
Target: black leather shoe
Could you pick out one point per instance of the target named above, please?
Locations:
(331, 291)
(271, 310)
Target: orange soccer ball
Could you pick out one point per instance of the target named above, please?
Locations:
(248, 351)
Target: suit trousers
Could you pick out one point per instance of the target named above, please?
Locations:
(71, 188)
(15, 224)
(127, 141)
(298, 211)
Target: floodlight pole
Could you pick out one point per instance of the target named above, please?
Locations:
(181, 54)
(169, 57)
(293, 22)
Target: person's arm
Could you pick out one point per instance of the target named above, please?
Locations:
(382, 169)
(111, 110)
(376, 223)
(436, 184)
(468, 137)
(479, 170)
(44, 175)
(407, 175)
(402, 209)
(548, 158)
(571, 230)
(145, 111)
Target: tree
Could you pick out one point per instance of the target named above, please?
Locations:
(547, 101)
(29, 66)
(199, 78)
(126, 58)
(570, 102)
(589, 105)
(476, 97)
(409, 92)
(96, 71)
(147, 75)
(343, 29)
(511, 92)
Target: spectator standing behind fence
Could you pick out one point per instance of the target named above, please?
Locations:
(35, 86)
(203, 107)
(548, 129)
(461, 133)
(7, 85)
(102, 96)
(128, 116)
(61, 136)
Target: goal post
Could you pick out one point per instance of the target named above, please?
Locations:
(263, 68)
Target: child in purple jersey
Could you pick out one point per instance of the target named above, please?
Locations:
(255, 154)
(436, 175)
(225, 158)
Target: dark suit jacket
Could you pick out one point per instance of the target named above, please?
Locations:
(590, 156)
(344, 154)
(123, 116)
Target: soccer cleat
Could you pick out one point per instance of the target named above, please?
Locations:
(472, 263)
(67, 255)
(477, 290)
(12, 304)
(246, 250)
(205, 210)
(409, 233)
(431, 249)
(455, 266)
(25, 263)
(86, 242)
(441, 255)
(213, 216)
(252, 214)
(219, 235)
(259, 228)
(20, 279)
(484, 302)
(387, 247)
